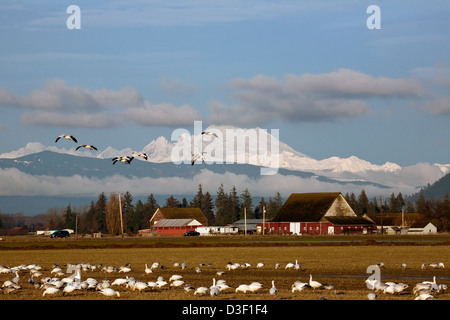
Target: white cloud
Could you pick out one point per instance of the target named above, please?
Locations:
(309, 97)
(61, 105)
(15, 182)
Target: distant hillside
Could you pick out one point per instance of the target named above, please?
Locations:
(437, 190)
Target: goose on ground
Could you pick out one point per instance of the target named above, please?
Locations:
(425, 296)
(69, 289)
(50, 291)
(109, 292)
(124, 159)
(148, 270)
(372, 296)
(314, 284)
(299, 286)
(119, 281)
(175, 277)
(139, 285)
(273, 290)
(289, 265)
(214, 290)
(66, 136)
(255, 286)
(260, 265)
(87, 146)
(200, 291)
(177, 283)
(242, 288)
(277, 265)
(188, 287)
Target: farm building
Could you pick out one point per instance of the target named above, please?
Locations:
(318, 213)
(251, 225)
(175, 221)
(412, 223)
(216, 230)
(178, 213)
(174, 227)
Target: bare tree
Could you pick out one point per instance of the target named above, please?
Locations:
(113, 222)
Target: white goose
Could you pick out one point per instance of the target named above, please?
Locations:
(66, 136)
(110, 292)
(314, 284)
(273, 290)
(214, 290)
(87, 146)
(50, 291)
(175, 277)
(148, 270)
(200, 291)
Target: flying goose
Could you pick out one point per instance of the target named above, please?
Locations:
(66, 136)
(208, 133)
(125, 159)
(195, 157)
(87, 146)
(142, 155)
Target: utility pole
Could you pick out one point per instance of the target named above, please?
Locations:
(264, 218)
(245, 221)
(403, 220)
(381, 215)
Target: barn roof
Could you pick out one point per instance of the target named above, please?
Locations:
(315, 207)
(176, 223)
(306, 207)
(183, 213)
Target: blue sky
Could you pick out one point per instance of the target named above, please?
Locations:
(137, 70)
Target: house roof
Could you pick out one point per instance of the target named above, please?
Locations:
(183, 213)
(315, 207)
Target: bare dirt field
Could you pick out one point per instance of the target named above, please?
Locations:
(342, 264)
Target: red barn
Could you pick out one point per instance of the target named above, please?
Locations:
(175, 227)
(175, 221)
(318, 213)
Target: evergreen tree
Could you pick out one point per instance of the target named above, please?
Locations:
(208, 208)
(69, 218)
(274, 205)
(221, 205)
(149, 209)
(259, 209)
(197, 201)
(363, 203)
(234, 206)
(171, 202)
(247, 204)
(128, 208)
(135, 218)
(100, 214)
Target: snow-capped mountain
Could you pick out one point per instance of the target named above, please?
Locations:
(318, 175)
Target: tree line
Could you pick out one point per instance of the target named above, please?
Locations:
(103, 215)
(437, 211)
(119, 213)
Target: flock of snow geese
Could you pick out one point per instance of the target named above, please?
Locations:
(65, 283)
(127, 159)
